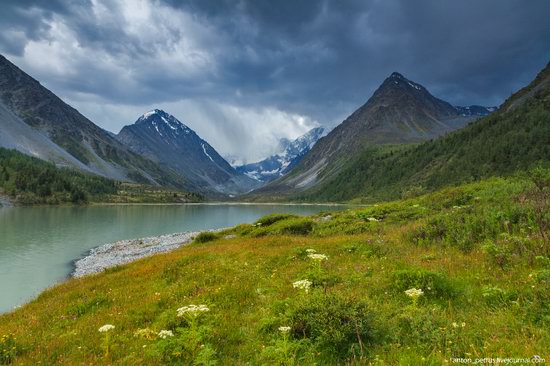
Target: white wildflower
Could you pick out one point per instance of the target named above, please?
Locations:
(372, 219)
(311, 251)
(165, 334)
(302, 285)
(193, 310)
(317, 257)
(414, 292)
(106, 328)
(284, 329)
(455, 325)
(145, 333)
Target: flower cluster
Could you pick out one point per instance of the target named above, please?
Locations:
(311, 251)
(165, 334)
(317, 257)
(145, 333)
(193, 310)
(414, 293)
(456, 325)
(284, 329)
(373, 219)
(302, 285)
(106, 328)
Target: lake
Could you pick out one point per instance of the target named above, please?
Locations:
(39, 244)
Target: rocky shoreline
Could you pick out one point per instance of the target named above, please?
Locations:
(125, 251)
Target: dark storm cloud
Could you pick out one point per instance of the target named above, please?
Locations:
(314, 59)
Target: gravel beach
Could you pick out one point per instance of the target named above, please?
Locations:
(124, 251)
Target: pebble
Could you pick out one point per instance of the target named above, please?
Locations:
(125, 251)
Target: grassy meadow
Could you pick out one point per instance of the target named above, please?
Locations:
(463, 272)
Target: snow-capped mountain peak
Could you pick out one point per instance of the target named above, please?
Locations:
(278, 164)
(160, 120)
(164, 139)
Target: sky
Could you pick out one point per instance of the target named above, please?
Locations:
(245, 73)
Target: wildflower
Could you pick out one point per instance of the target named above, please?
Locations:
(373, 219)
(455, 325)
(145, 333)
(106, 344)
(311, 251)
(284, 329)
(165, 334)
(302, 285)
(317, 257)
(414, 293)
(106, 328)
(193, 310)
(463, 324)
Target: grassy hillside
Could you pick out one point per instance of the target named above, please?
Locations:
(479, 253)
(500, 144)
(30, 180)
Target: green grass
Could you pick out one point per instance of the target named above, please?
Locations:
(476, 252)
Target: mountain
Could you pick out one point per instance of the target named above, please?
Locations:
(514, 138)
(400, 111)
(277, 165)
(160, 137)
(475, 110)
(37, 122)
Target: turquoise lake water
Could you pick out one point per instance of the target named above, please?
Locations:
(39, 244)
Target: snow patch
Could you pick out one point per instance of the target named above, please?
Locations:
(413, 85)
(205, 153)
(149, 114)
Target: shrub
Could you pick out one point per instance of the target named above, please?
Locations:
(337, 327)
(297, 227)
(292, 226)
(494, 296)
(205, 237)
(537, 304)
(497, 253)
(422, 327)
(433, 284)
(273, 218)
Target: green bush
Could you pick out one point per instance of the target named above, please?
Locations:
(434, 285)
(422, 327)
(296, 227)
(291, 226)
(205, 237)
(498, 254)
(494, 296)
(273, 218)
(337, 327)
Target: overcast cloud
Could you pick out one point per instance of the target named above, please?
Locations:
(243, 73)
